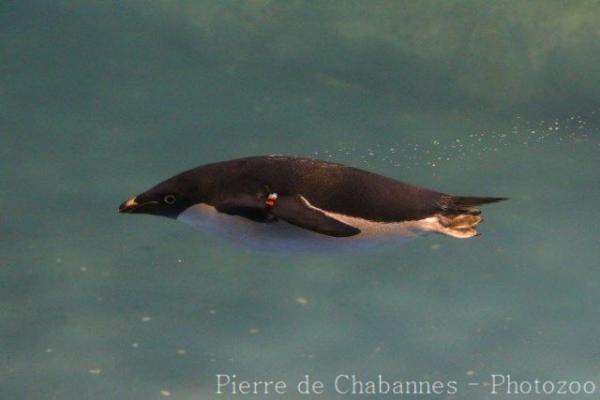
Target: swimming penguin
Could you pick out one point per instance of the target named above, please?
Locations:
(282, 201)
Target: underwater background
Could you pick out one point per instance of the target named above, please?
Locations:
(101, 100)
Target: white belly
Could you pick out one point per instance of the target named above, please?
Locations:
(281, 236)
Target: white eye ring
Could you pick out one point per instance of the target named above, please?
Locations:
(170, 199)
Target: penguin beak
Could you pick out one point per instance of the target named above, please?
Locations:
(128, 206)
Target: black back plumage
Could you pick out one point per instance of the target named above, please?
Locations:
(328, 186)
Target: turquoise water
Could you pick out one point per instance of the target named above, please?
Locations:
(99, 101)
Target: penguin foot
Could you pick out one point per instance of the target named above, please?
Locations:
(458, 225)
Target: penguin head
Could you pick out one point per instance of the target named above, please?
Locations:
(167, 199)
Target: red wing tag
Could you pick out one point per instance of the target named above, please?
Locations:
(271, 199)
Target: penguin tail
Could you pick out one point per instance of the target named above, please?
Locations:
(459, 215)
(467, 203)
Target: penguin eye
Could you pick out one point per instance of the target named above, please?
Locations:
(170, 199)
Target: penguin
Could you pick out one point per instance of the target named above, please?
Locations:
(289, 202)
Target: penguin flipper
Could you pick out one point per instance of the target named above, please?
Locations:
(297, 211)
(246, 206)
